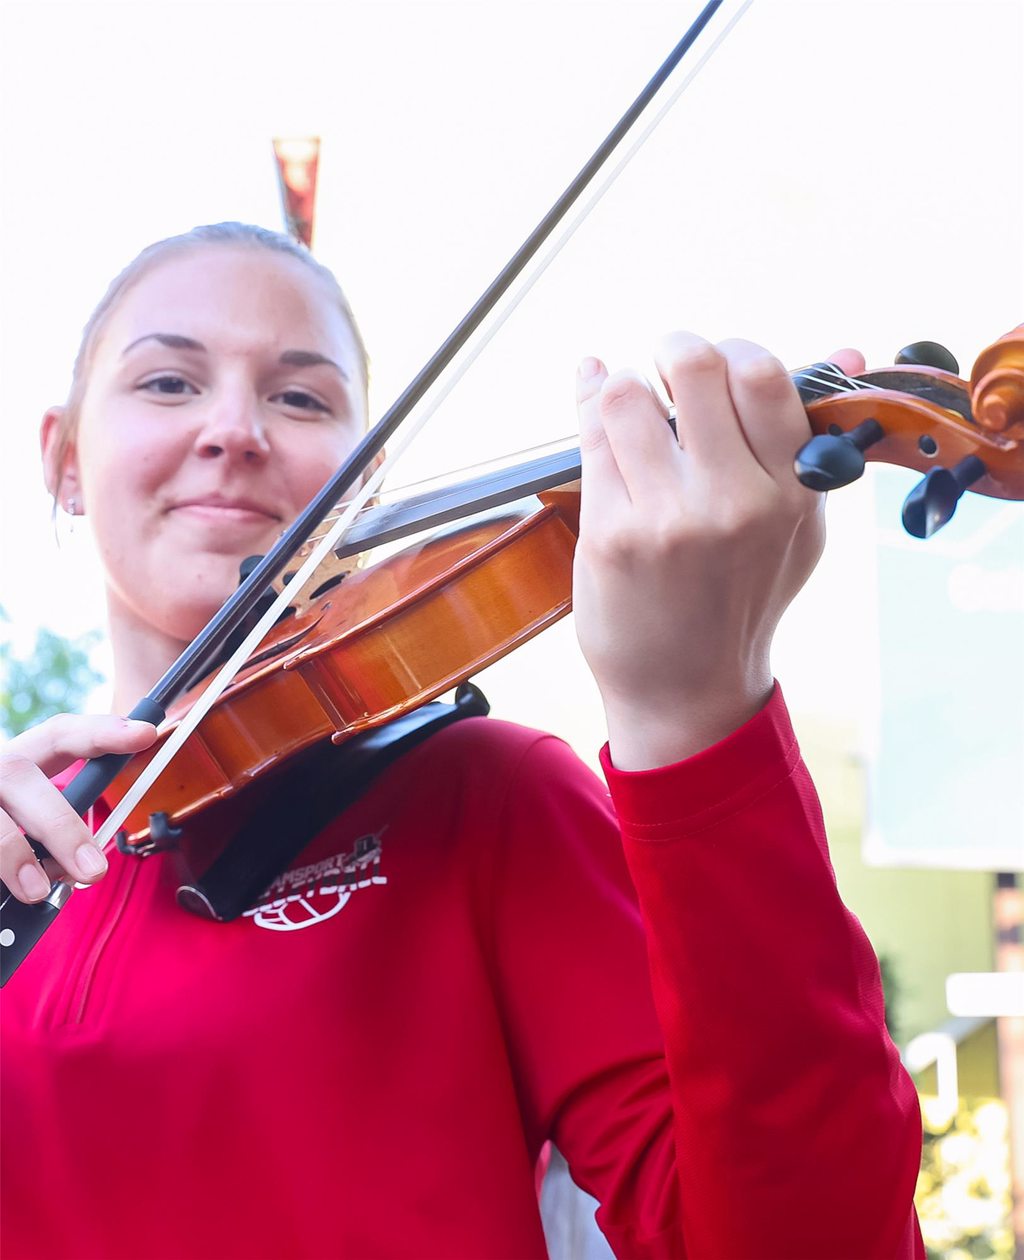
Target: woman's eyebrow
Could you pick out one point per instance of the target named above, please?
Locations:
(291, 358)
(311, 358)
(174, 340)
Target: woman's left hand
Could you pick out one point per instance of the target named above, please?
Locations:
(690, 547)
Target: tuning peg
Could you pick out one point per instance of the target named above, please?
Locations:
(932, 502)
(928, 354)
(831, 460)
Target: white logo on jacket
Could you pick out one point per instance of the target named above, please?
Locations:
(310, 894)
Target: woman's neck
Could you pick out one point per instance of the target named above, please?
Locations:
(142, 653)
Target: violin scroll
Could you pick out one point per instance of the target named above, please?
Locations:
(997, 386)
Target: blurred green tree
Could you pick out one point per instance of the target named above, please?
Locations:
(55, 677)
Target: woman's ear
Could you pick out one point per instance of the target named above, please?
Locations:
(60, 460)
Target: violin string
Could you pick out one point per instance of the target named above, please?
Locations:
(838, 384)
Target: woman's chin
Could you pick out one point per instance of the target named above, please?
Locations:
(190, 619)
(178, 615)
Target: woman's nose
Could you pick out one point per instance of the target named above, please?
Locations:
(234, 427)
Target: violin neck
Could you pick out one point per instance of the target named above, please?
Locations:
(435, 508)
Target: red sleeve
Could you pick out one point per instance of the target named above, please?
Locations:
(797, 1131)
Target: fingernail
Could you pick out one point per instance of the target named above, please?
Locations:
(589, 367)
(90, 860)
(34, 883)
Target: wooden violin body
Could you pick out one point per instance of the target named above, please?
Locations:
(384, 641)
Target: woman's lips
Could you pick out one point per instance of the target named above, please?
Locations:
(226, 511)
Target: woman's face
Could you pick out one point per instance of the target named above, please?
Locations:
(224, 390)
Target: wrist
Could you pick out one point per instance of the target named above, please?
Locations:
(646, 736)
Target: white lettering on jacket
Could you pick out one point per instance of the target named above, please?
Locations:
(310, 894)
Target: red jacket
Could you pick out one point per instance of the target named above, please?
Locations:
(367, 1064)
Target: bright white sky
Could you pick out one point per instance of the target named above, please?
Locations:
(842, 172)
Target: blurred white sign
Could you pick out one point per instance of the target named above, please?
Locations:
(993, 993)
(946, 758)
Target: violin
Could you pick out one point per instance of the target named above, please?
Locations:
(373, 643)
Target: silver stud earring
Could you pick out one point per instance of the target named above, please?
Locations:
(72, 507)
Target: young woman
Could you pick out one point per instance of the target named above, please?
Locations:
(664, 982)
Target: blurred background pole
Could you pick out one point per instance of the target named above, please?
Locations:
(297, 160)
(1008, 916)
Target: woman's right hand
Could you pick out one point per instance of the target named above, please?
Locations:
(29, 803)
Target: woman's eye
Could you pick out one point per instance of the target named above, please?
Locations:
(168, 385)
(299, 399)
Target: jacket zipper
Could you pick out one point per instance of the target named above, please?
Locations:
(82, 982)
